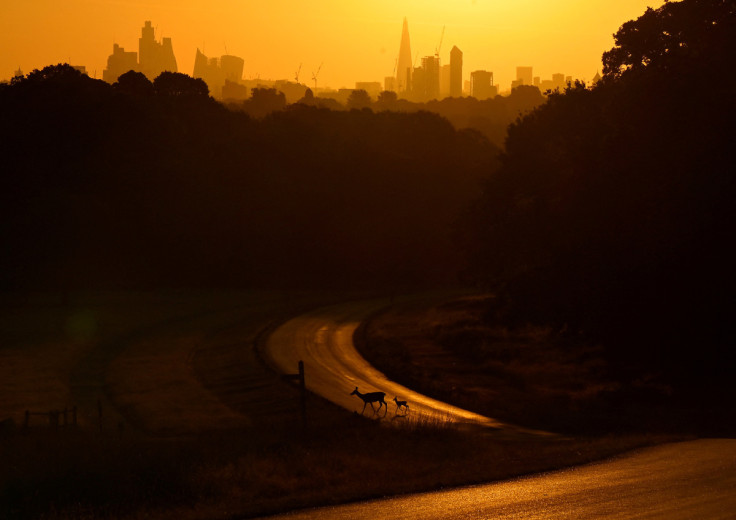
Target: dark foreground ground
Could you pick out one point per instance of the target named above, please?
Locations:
(224, 453)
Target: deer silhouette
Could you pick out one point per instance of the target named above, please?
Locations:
(400, 405)
(370, 398)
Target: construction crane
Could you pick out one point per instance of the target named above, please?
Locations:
(315, 74)
(296, 76)
(439, 46)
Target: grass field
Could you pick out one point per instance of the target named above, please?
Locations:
(528, 375)
(194, 425)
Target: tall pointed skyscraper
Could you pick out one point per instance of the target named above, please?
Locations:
(456, 72)
(404, 65)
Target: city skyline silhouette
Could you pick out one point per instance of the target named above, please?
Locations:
(354, 45)
(414, 80)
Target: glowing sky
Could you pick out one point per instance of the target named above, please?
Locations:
(356, 40)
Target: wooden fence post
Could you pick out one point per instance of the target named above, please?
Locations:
(302, 392)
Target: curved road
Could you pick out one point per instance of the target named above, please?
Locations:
(679, 481)
(683, 481)
(323, 339)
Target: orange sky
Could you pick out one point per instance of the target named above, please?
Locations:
(357, 41)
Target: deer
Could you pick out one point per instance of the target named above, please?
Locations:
(400, 405)
(371, 397)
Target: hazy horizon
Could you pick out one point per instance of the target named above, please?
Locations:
(354, 43)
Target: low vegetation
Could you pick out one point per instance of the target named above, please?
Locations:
(191, 464)
(466, 350)
(268, 469)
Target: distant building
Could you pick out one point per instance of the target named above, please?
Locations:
(118, 63)
(416, 84)
(372, 87)
(524, 76)
(232, 67)
(80, 68)
(558, 82)
(389, 83)
(343, 94)
(430, 89)
(152, 58)
(481, 85)
(155, 57)
(445, 74)
(216, 72)
(293, 92)
(456, 72)
(208, 70)
(596, 78)
(547, 85)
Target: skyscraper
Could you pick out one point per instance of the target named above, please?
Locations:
(481, 85)
(154, 57)
(405, 64)
(431, 66)
(119, 62)
(456, 72)
(445, 81)
(524, 76)
(558, 81)
(232, 67)
(217, 72)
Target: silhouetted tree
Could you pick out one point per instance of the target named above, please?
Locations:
(176, 84)
(134, 83)
(329, 103)
(63, 72)
(386, 100)
(525, 98)
(359, 99)
(611, 209)
(60, 80)
(678, 32)
(263, 101)
(308, 98)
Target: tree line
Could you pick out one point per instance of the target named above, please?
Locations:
(154, 184)
(491, 117)
(611, 215)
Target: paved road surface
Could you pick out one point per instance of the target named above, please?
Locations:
(323, 340)
(684, 481)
